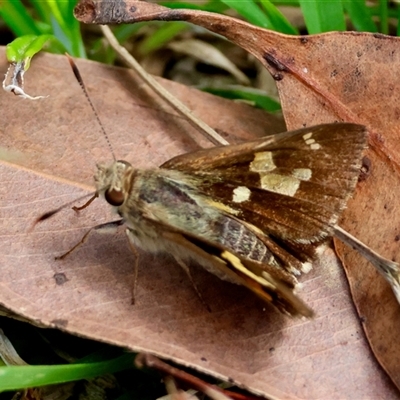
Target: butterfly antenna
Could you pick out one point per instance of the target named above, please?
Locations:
(389, 269)
(78, 77)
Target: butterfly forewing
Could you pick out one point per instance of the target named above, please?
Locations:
(293, 187)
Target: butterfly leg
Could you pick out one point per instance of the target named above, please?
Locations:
(87, 204)
(136, 267)
(98, 228)
(187, 270)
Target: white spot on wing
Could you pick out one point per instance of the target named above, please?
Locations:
(306, 267)
(281, 184)
(319, 251)
(262, 162)
(311, 142)
(241, 194)
(303, 174)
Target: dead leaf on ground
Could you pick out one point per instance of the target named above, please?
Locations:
(345, 76)
(52, 147)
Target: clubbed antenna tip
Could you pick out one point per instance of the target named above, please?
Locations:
(78, 77)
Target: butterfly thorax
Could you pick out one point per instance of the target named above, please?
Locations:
(156, 201)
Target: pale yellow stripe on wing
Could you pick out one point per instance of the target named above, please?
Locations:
(235, 261)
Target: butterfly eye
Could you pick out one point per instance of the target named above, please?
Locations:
(114, 197)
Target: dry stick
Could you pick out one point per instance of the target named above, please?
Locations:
(212, 391)
(389, 269)
(175, 393)
(197, 123)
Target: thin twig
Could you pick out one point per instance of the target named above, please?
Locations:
(197, 123)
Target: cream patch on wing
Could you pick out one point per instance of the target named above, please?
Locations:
(262, 162)
(311, 142)
(241, 194)
(281, 184)
(303, 174)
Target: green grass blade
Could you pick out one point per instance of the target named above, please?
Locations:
(251, 11)
(162, 36)
(17, 18)
(57, 12)
(256, 97)
(383, 16)
(215, 6)
(22, 49)
(360, 15)
(65, 27)
(212, 6)
(278, 20)
(290, 3)
(398, 23)
(126, 31)
(71, 38)
(323, 15)
(20, 377)
(42, 10)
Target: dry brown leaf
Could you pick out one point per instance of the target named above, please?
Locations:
(52, 147)
(344, 76)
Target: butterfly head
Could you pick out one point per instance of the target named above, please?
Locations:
(113, 181)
